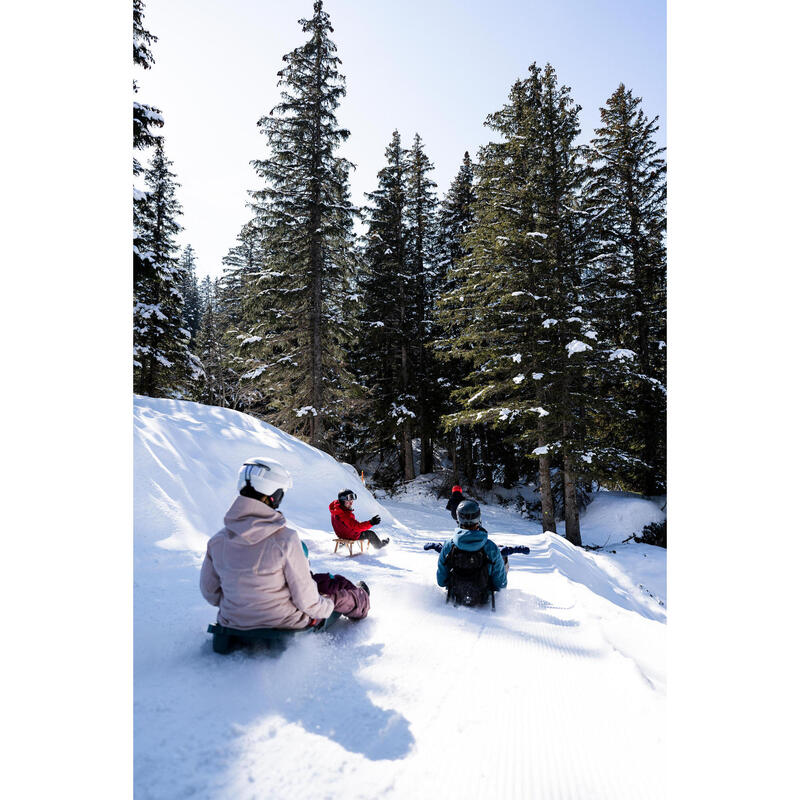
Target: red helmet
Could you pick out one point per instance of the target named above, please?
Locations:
(456, 488)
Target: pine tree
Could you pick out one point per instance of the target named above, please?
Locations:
(245, 321)
(163, 365)
(144, 119)
(456, 214)
(192, 309)
(387, 314)
(515, 314)
(305, 218)
(421, 212)
(626, 197)
(211, 349)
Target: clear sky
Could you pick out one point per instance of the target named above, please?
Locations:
(436, 67)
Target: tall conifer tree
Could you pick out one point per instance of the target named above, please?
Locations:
(211, 349)
(456, 214)
(192, 307)
(305, 218)
(627, 195)
(387, 313)
(145, 118)
(163, 365)
(516, 315)
(422, 207)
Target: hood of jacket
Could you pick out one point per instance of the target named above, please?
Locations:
(337, 508)
(470, 540)
(252, 520)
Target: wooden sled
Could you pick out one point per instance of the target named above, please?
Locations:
(348, 543)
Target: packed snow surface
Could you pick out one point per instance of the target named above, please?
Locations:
(558, 694)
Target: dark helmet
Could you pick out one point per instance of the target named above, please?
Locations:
(346, 494)
(468, 513)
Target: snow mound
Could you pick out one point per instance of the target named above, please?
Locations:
(612, 517)
(186, 459)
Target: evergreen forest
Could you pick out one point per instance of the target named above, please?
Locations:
(510, 330)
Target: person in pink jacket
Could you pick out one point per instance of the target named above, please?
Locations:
(255, 569)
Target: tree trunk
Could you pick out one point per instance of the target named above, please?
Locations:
(546, 493)
(571, 515)
(316, 258)
(454, 453)
(426, 455)
(408, 450)
(486, 477)
(468, 461)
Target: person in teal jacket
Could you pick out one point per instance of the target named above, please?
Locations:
(472, 537)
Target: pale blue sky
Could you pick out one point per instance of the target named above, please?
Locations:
(436, 67)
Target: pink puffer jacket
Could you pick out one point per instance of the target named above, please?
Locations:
(257, 574)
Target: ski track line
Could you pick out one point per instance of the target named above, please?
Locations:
(486, 753)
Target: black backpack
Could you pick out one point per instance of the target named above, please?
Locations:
(468, 581)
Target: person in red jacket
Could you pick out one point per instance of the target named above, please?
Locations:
(345, 524)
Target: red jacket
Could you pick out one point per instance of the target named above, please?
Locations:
(345, 524)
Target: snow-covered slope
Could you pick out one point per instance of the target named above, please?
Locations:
(558, 694)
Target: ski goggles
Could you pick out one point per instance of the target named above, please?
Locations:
(347, 497)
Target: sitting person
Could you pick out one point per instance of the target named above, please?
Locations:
(470, 564)
(346, 526)
(255, 569)
(455, 498)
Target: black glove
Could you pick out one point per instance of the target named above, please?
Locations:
(376, 520)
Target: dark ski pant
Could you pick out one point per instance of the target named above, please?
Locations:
(348, 599)
(373, 538)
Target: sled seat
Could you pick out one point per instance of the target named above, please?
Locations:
(225, 640)
(348, 543)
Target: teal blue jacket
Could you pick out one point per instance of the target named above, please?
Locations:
(472, 541)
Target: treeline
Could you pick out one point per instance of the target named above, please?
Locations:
(517, 326)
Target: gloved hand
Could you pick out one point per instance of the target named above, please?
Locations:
(376, 520)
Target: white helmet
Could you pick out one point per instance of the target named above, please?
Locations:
(265, 476)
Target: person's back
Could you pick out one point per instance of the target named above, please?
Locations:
(262, 577)
(255, 569)
(470, 565)
(456, 498)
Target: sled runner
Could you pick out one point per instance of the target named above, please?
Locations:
(228, 639)
(348, 543)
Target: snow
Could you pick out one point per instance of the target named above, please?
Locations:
(478, 394)
(576, 346)
(548, 323)
(518, 378)
(620, 354)
(569, 673)
(254, 373)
